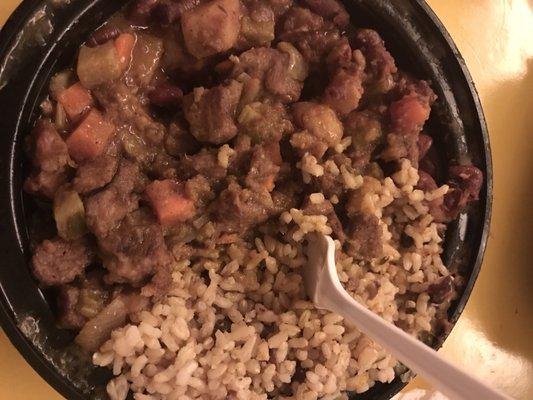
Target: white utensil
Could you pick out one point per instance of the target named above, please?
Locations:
(325, 290)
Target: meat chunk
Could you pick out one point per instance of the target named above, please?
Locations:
(310, 34)
(330, 9)
(264, 122)
(56, 261)
(179, 141)
(322, 128)
(104, 210)
(96, 173)
(280, 6)
(286, 196)
(125, 110)
(299, 19)
(280, 71)
(238, 209)
(326, 208)
(364, 237)
(344, 91)
(211, 112)
(358, 200)
(177, 58)
(264, 167)
(199, 190)
(205, 163)
(380, 66)
(135, 250)
(366, 131)
(342, 56)
(50, 160)
(212, 27)
(170, 202)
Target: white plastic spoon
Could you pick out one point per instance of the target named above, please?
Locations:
(325, 290)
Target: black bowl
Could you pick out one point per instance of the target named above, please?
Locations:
(40, 39)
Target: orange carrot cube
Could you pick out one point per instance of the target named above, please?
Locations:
(90, 138)
(170, 202)
(75, 100)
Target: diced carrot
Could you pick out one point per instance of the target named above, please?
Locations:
(90, 138)
(124, 45)
(75, 100)
(409, 114)
(170, 202)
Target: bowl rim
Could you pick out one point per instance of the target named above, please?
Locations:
(8, 34)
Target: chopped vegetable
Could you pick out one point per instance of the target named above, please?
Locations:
(98, 65)
(90, 138)
(69, 214)
(97, 330)
(170, 202)
(91, 301)
(75, 100)
(124, 45)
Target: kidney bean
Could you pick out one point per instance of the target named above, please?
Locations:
(142, 10)
(425, 182)
(468, 178)
(454, 202)
(165, 95)
(170, 11)
(441, 291)
(102, 35)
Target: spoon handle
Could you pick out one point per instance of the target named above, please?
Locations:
(446, 377)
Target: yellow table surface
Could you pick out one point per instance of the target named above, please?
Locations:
(493, 337)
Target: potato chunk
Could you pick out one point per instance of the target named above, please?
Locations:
(211, 28)
(98, 65)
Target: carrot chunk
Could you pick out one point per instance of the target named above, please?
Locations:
(90, 138)
(409, 114)
(124, 45)
(170, 202)
(75, 100)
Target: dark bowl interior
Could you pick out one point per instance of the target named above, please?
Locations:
(40, 39)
